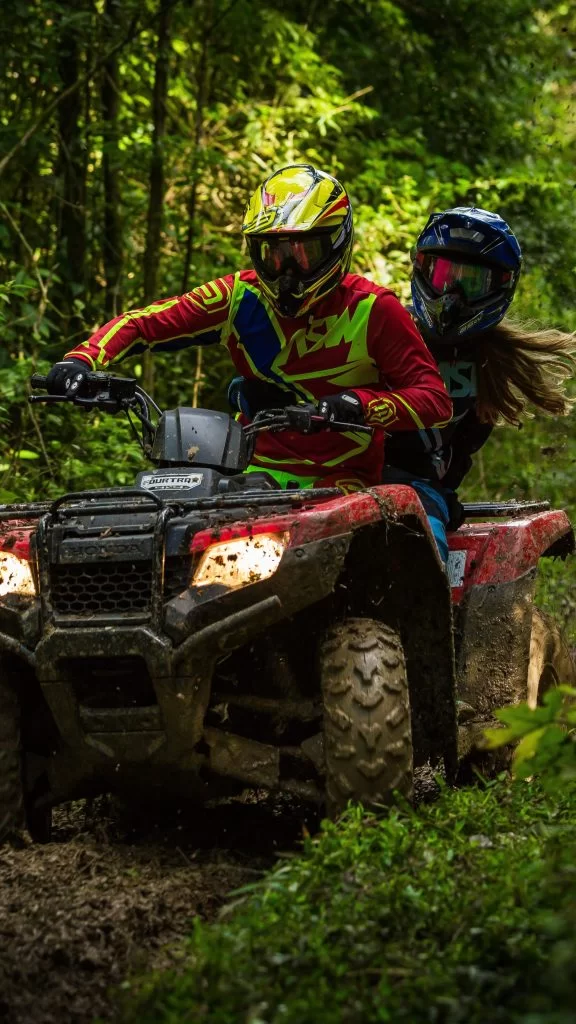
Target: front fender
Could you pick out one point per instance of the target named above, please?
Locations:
(393, 573)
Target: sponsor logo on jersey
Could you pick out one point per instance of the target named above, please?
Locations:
(459, 378)
(381, 411)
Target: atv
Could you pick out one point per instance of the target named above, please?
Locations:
(205, 632)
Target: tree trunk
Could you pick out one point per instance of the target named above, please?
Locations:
(156, 199)
(71, 170)
(112, 241)
(192, 205)
(195, 168)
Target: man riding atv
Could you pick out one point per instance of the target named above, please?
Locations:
(301, 322)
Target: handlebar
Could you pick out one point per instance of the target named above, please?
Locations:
(114, 394)
(101, 390)
(109, 394)
(303, 418)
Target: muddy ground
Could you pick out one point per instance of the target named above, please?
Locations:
(112, 896)
(106, 899)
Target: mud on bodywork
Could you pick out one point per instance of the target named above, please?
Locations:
(124, 650)
(392, 574)
(493, 591)
(140, 676)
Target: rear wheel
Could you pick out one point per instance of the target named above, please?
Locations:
(551, 662)
(367, 730)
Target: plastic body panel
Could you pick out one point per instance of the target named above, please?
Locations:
(200, 437)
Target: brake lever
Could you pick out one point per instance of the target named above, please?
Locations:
(47, 398)
(340, 427)
(101, 401)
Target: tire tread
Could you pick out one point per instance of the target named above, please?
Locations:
(368, 740)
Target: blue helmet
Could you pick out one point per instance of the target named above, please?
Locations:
(466, 264)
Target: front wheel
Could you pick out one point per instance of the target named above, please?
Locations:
(11, 788)
(17, 807)
(367, 729)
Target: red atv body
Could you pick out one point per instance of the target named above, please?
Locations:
(189, 637)
(507, 649)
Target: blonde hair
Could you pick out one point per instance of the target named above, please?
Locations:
(518, 364)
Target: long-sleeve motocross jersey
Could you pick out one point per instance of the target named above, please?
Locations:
(443, 455)
(358, 337)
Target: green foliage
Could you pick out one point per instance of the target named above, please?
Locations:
(545, 736)
(19, 287)
(459, 913)
(536, 463)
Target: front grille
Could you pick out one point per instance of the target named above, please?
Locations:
(95, 589)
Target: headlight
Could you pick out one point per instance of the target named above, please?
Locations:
(15, 575)
(238, 562)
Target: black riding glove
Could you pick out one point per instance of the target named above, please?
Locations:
(67, 377)
(345, 407)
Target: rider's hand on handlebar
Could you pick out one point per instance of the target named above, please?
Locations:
(67, 377)
(345, 407)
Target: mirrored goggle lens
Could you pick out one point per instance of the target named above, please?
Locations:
(474, 280)
(273, 255)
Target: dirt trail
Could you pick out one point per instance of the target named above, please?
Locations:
(97, 904)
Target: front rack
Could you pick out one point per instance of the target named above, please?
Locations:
(86, 503)
(133, 500)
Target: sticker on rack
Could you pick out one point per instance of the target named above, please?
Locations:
(456, 567)
(171, 481)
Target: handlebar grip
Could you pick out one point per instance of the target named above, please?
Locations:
(38, 380)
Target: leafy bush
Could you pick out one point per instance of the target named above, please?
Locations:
(546, 736)
(454, 914)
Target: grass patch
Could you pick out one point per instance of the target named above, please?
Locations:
(460, 912)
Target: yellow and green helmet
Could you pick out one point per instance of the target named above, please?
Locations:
(298, 226)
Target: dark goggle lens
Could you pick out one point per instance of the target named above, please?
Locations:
(475, 281)
(273, 255)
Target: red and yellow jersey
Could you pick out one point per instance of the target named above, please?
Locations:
(359, 337)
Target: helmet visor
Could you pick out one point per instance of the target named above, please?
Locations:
(272, 255)
(472, 280)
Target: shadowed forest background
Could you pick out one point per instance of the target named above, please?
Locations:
(132, 132)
